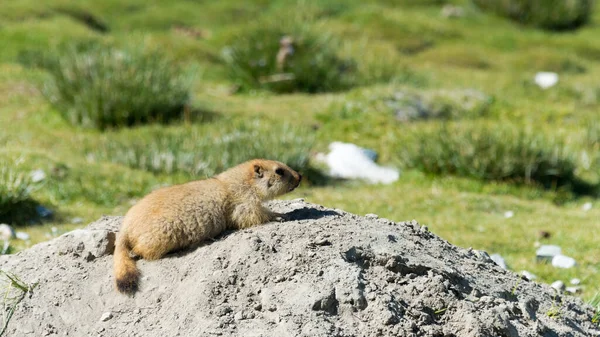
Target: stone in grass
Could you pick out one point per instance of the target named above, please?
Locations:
(575, 281)
(22, 236)
(37, 175)
(547, 252)
(558, 285)
(562, 261)
(528, 275)
(6, 232)
(499, 260)
(546, 80)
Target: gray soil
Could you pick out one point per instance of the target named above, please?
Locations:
(323, 273)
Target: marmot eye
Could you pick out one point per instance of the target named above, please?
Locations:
(279, 171)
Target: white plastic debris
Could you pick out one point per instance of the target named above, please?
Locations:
(37, 175)
(562, 261)
(546, 80)
(528, 275)
(349, 161)
(587, 206)
(509, 214)
(499, 260)
(547, 252)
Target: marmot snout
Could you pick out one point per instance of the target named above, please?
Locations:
(180, 216)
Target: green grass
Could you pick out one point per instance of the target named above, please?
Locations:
(554, 14)
(204, 150)
(16, 186)
(595, 302)
(474, 72)
(99, 86)
(491, 152)
(309, 62)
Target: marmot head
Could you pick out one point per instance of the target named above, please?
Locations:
(273, 178)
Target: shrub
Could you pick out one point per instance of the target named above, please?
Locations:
(410, 105)
(97, 86)
(548, 14)
(313, 65)
(15, 192)
(491, 152)
(204, 150)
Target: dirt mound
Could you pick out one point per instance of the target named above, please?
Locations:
(326, 273)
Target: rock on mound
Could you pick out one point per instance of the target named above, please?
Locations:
(326, 273)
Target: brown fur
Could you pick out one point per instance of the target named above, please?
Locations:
(180, 216)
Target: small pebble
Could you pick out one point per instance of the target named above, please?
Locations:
(499, 260)
(573, 290)
(558, 285)
(6, 232)
(547, 252)
(562, 261)
(509, 214)
(528, 275)
(106, 316)
(587, 206)
(546, 80)
(575, 281)
(37, 176)
(22, 236)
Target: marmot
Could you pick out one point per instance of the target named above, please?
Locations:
(180, 216)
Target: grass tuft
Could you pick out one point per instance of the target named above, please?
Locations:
(595, 302)
(14, 293)
(287, 58)
(491, 152)
(101, 87)
(204, 150)
(15, 193)
(410, 105)
(548, 14)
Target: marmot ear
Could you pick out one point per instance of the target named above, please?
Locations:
(258, 171)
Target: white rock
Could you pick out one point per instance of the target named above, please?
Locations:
(587, 206)
(573, 290)
(528, 275)
(509, 214)
(546, 80)
(575, 281)
(558, 285)
(106, 316)
(562, 261)
(349, 161)
(22, 236)
(6, 232)
(37, 175)
(5, 247)
(547, 252)
(499, 260)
